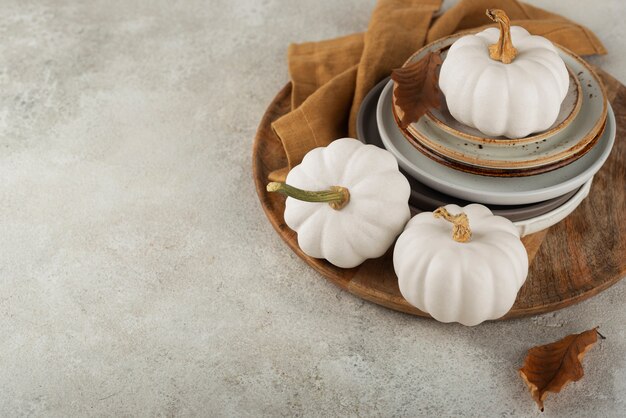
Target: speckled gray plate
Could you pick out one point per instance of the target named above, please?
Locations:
(423, 197)
(483, 189)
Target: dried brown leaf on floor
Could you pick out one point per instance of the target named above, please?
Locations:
(548, 368)
(417, 87)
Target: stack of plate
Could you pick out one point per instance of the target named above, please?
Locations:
(535, 181)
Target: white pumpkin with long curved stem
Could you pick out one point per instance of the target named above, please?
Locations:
(460, 264)
(347, 201)
(504, 82)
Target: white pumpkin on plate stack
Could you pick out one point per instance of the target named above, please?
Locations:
(504, 82)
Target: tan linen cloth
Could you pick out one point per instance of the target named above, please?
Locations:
(331, 78)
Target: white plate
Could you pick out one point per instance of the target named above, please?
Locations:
(491, 190)
(545, 221)
(539, 223)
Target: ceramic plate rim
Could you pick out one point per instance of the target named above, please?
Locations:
(499, 168)
(548, 219)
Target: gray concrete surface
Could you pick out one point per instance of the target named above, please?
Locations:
(138, 274)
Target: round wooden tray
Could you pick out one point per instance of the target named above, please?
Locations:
(572, 261)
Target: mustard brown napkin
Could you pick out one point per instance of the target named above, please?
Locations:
(331, 78)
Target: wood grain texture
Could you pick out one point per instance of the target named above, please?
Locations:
(572, 261)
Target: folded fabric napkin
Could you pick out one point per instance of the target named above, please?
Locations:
(331, 78)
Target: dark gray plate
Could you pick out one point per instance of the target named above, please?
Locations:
(423, 197)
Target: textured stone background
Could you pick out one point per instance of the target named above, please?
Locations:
(138, 274)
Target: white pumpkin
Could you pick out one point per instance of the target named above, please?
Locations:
(347, 201)
(468, 273)
(504, 83)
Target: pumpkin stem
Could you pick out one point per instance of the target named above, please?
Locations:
(461, 231)
(503, 50)
(336, 196)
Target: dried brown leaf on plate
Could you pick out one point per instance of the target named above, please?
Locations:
(417, 87)
(548, 368)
